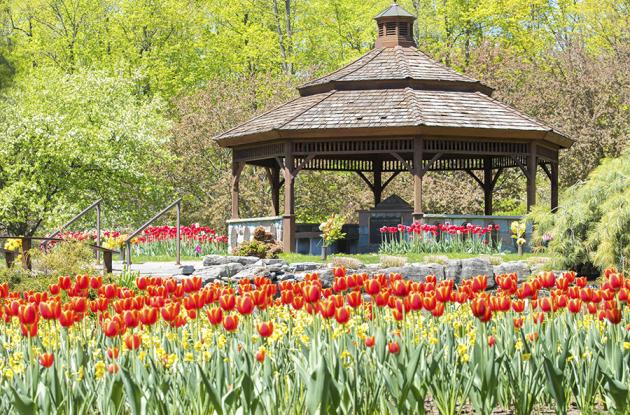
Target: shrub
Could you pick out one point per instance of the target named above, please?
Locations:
(65, 258)
(262, 246)
(20, 279)
(590, 228)
(346, 262)
(390, 261)
(436, 259)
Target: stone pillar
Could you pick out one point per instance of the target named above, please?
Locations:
(532, 167)
(554, 186)
(288, 217)
(488, 187)
(418, 155)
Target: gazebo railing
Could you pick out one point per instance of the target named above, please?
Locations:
(178, 243)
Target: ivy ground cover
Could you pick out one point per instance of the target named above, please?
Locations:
(368, 344)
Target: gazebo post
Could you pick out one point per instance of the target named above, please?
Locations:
(418, 155)
(488, 186)
(532, 166)
(288, 217)
(273, 174)
(554, 186)
(237, 169)
(377, 187)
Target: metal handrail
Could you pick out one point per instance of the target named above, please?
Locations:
(135, 233)
(96, 205)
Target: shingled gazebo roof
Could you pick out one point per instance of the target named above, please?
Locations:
(393, 110)
(393, 87)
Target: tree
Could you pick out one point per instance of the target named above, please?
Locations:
(66, 140)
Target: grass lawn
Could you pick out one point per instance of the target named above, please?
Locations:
(375, 258)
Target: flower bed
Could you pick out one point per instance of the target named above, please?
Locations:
(442, 238)
(369, 344)
(161, 240)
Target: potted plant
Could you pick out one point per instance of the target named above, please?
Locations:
(331, 232)
(518, 234)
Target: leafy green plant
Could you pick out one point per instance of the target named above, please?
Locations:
(64, 258)
(590, 227)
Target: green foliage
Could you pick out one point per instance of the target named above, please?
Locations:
(69, 139)
(20, 279)
(331, 229)
(64, 258)
(262, 245)
(592, 223)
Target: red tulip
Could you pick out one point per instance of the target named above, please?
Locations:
(66, 318)
(370, 341)
(113, 352)
(480, 308)
(227, 302)
(244, 304)
(133, 341)
(393, 347)
(215, 315)
(575, 305)
(29, 330)
(230, 322)
(491, 341)
(265, 329)
(613, 315)
(354, 299)
(342, 315)
(113, 368)
(46, 359)
(260, 355)
(28, 314)
(312, 293)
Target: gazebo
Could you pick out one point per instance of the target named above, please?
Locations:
(394, 110)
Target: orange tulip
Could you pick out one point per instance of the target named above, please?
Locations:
(215, 315)
(370, 341)
(244, 304)
(480, 308)
(393, 347)
(46, 359)
(113, 352)
(260, 355)
(133, 341)
(354, 299)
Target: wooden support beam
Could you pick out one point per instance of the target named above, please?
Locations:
(496, 177)
(392, 177)
(273, 174)
(237, 169)
(430, 163)
(554, 186)
(288, 217)
(488, 186)
(532, 166)
(365, 179)
(474, 176)
(377, 187)
(418, 154)
(404, 162)
(546, 170)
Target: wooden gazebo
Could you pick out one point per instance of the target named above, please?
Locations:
(393, 110)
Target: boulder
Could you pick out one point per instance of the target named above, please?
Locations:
(251, 272)
(187, 269)
(304, 266)
(418, 271)
(210, 260)
(453, 270)
(472, 267)
(519, 267)
(271, 261)
(220, 271)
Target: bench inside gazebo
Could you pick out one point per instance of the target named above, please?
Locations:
(392, 111)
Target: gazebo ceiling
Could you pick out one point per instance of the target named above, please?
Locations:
(393, 91)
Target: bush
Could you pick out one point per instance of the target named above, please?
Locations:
(65, 258)
(262, 246)
(20, 279)
(590, 230)
(390, 261)
(345, 262)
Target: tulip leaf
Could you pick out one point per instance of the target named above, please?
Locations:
(210, 391)
(133, 394)
(23, 404)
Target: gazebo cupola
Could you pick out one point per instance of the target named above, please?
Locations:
(393, 110)
(395, 27)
